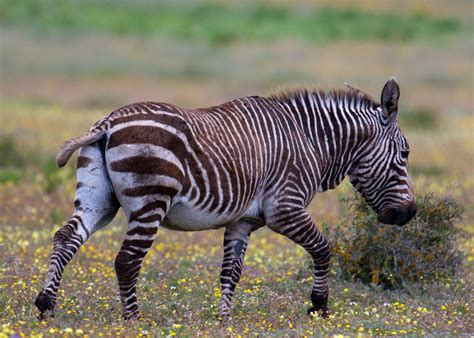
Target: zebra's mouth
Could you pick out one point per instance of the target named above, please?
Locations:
(398, 216)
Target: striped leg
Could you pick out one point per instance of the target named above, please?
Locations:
(96, 206)
(143, 225)
(296, 224)
(236, 238)
(65, 244)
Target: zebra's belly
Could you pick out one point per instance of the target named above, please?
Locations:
(182, 217)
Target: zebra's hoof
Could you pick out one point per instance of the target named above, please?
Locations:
(44, 303)
(225, 318)
(323, 311)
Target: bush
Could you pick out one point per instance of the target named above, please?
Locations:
(54, 176)
(11, 154)
(390, 256)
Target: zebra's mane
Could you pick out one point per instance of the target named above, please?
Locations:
(350, 94)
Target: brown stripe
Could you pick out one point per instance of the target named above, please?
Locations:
(83, 161)
(150, 219)
(146, 134)
(142, 243)
(146, 231)
(149, 190)
(147, 165)
(148, 207)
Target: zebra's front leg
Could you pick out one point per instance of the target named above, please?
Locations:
(296, 224)
(236, 238)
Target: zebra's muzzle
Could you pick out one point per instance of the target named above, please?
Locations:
(398, 216)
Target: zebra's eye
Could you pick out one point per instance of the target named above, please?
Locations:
(404, 154)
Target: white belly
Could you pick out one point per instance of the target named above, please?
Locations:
(184, 217)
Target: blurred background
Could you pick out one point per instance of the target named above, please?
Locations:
(65, 64)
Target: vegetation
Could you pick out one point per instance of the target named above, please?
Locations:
(218, 23)
(179, 286)
(425, 250)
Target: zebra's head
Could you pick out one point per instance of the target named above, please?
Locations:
(381, 173)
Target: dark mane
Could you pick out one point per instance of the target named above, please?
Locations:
(350, 94)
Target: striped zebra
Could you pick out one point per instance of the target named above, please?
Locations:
(242, 165)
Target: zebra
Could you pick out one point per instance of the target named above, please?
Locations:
(242, 165)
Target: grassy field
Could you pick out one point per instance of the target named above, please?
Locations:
(62, 68)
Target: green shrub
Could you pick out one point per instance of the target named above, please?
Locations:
(54, 176)
(9, 175)
(390, 256)
(10, 153)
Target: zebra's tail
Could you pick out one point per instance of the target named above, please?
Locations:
(70, 146)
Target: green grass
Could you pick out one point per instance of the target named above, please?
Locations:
(217, 23)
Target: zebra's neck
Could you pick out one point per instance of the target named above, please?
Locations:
(339, 125)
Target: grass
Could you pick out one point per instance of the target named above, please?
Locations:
(179, 291)
(217, 23)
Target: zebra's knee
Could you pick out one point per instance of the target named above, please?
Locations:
(321, 251)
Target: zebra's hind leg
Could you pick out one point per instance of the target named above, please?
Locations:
(296, 224)
(143, 225)
(95, 204)
(236, 238)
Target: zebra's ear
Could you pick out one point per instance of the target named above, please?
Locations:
(390, 96)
